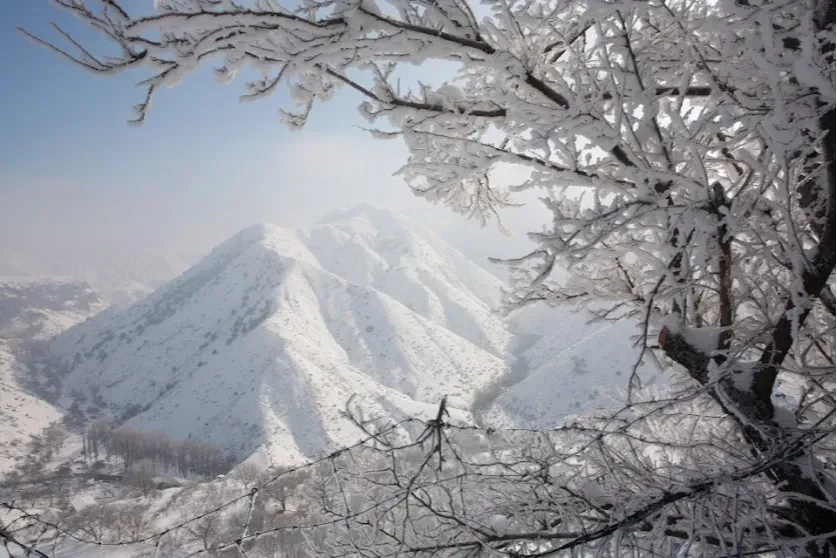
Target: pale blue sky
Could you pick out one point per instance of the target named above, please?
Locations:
(76, 181)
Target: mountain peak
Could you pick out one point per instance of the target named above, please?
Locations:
(258, 347)
(366, 210)
(260, 343)
(250, 235)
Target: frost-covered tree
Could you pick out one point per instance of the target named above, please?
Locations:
(686, 151)
(141, 475)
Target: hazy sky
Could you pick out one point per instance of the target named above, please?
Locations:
(76, 182)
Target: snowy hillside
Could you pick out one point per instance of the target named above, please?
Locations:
(21, 413)
(374, 247)
(261, 344)
(31, 312)
(42, 308)
(575, 366)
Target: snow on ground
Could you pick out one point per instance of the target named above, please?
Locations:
(21, 413)
(587, 368)
(31, 312)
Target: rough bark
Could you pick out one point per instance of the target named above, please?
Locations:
(753, 410)
(810, 509)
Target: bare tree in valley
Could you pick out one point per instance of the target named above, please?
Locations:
(248, 474)
(131, 446)
(141, 475)
(54, 437)
(686, 152)
(207, 530)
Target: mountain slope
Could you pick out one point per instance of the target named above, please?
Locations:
(38, 309)
(261, 344)
(577, 366)
(374, 247)
(31, 312)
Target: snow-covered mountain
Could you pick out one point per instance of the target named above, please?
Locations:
(259, 346)
(32, 312)
(262, 343)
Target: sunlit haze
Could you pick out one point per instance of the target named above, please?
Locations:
(79, 186)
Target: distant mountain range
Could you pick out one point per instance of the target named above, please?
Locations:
(258, 347)
(120, 281)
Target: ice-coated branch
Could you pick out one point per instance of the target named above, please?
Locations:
(757, 421)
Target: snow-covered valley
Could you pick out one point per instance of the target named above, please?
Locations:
(258, 347)
(254, 354)
(32, 312)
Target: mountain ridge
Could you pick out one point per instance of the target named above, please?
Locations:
(265, 333)
(259, 346)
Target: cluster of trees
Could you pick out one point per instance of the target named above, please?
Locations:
(212, 533)
(124, 521)
(155, 448)
(40, 450)
(218, 511)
